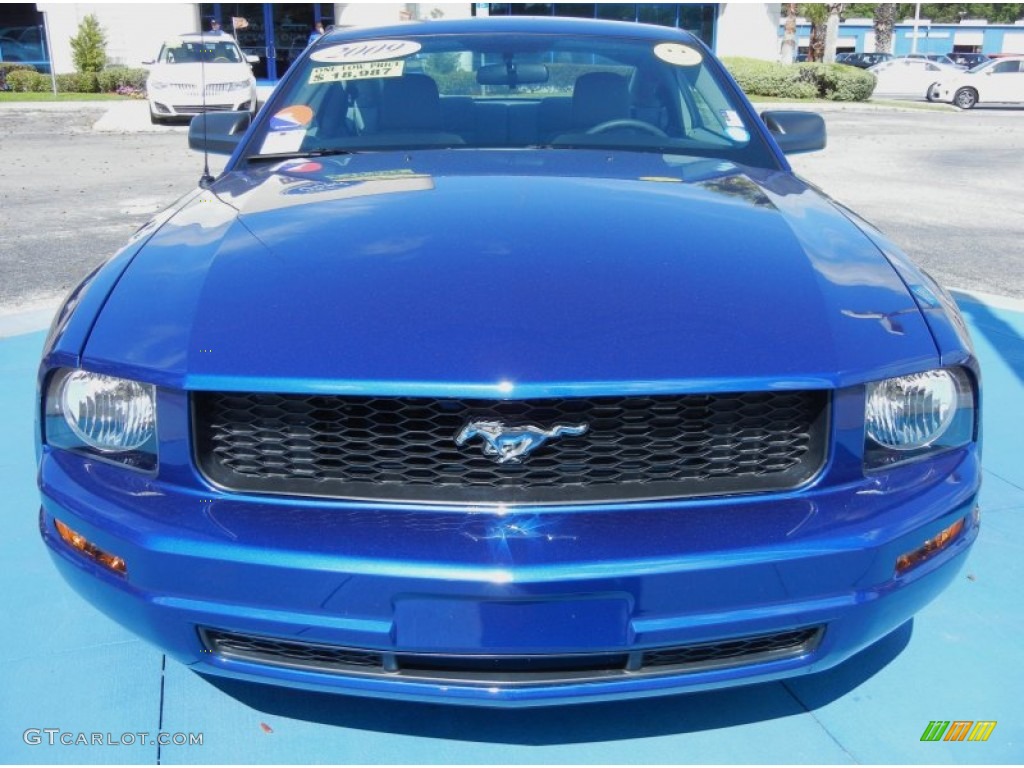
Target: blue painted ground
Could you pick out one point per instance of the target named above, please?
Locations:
(65, 666)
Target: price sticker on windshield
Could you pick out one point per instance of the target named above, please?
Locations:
(362, 71)
(376, 50)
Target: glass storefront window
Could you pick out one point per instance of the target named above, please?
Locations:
(617, 11)
(276, 32)
(697, 18)
(578, 10)
(22, 45)
(664, 14)
(22, 39)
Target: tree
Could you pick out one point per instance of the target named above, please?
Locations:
(817, 14)
(884, 21)
(89, 46)
(831, 32)
(946, 13)
(788, 55)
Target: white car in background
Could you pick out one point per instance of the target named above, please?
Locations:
(998, 80)
(909, 77)
(189, 62)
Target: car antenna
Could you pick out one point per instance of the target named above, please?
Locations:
(206, 179)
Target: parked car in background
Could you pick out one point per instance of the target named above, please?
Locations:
(907, 77)
(938, 58)
(969, 60)
(189, 63)
(995, 81)
(509, 363)
(865, 60)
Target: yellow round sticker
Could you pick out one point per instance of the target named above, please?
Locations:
(678, 54)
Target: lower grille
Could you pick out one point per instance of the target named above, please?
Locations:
(511, 670)
(198, 109)
(406, 449)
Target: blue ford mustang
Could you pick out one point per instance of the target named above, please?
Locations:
(508, 363)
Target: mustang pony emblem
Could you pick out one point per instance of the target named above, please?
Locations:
(513, 444)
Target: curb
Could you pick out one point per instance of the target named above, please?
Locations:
(856, 106)
(28, 317)
(132, 117)
(1010, 303)
(53, 106)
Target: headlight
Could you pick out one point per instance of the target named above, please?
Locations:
(155, 85)
(911, 411)
(108, 416)
(236, 86)
(909, 416)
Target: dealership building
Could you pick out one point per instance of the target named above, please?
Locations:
(40, 33)
(924, 36)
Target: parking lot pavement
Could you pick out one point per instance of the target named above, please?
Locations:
(941, 184)
(66, 666)
(132, 117)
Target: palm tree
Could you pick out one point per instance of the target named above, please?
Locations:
(832, 31)
(788, 55)
(885, 19)
(817, 14)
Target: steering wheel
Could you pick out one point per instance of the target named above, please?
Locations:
(640, 125)
(222, 60)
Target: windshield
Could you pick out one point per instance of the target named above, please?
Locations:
(188, 52)
(984, 65)
(509, 91)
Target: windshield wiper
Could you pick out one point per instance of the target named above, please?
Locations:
(322, 152)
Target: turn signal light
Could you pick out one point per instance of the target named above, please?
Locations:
(930, 548)
(90, 550)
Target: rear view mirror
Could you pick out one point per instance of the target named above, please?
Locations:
(512, 74)
(218, 132)
(796, 132)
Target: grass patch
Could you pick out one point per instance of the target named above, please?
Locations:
(926, 105)
(10, 96)
(783, 100)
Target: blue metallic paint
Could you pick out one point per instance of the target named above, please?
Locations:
(478, 280)
(252, 287)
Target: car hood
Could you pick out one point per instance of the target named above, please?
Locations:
(509, 273)
(960, 76)
(211, 72)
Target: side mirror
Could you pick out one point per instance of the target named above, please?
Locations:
(796, 132)
(252, 58)
(217, 132)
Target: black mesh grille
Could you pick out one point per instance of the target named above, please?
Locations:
(511, 669)
(404, 449)
(743, 647)
(233, 644)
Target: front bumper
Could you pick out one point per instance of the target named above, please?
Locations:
(464, 586)
(943, 92)
(168, 104)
